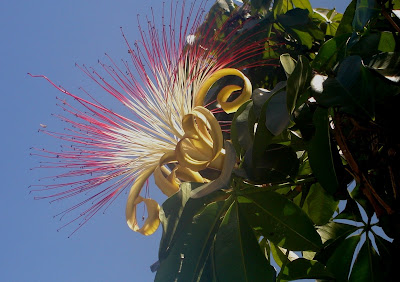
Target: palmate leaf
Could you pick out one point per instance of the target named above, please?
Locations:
(280, 221)
(238, 256)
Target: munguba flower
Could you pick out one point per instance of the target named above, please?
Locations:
(168, 131)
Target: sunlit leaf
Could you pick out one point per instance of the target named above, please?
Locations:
(319, 205)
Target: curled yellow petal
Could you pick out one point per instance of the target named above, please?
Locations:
(202, 130)
(134, 199)
(168, 185)
(225, 93)
(152, 221)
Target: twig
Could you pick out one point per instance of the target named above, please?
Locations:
(369, 192)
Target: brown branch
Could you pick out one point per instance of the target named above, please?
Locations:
(369, 192)
(389, 18)
(393, 181)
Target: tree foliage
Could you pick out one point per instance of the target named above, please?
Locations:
(320, 123)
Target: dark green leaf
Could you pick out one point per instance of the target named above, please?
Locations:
(332, 235)
(350, 212)
(304, 269)
(365, 10)
(260, 5)
(238, 256)
(187, 257)
(366, 266)
(276, 115)
(345, 25)
(340, 261)
(297, 82)
(320, 153)
(242, 129)
(277, 163)
(359, 197)
(260, 96)
(280, 220)
(178, 211)
(329, 53)
(387, 64)
(294, 17)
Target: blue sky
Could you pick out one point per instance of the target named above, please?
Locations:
(49, 37)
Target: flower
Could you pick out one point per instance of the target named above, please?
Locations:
(167, 123)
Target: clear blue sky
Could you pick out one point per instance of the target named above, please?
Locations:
(48, 37)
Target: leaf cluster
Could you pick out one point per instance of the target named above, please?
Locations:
(318, 153)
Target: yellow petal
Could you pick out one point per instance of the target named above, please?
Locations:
(224, 94)
(134, 198)
(198, 156)
(167, 186)
(186, 174)
(152, 221)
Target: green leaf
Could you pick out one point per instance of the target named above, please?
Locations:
(294, 17)
(303, 4)
(288, 64)
(297, 82)
(260, 5)
(320, 153)
(277, 116)
(260, 96)
(280, 257)
(332, 234)
(238, 256)
(365, 10)
(354, 90)
(319, 205)
(277, 163)
(350, 212)
(281, 7)
(329, 20)
(330, 52)
(366, 266)
(388, 255)
(187, 257)
(280, 220)
(178, 211)
(340, 261)
(387, 64)
(345, 25)
(387, 43)
(242, 129)
(304, 269)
